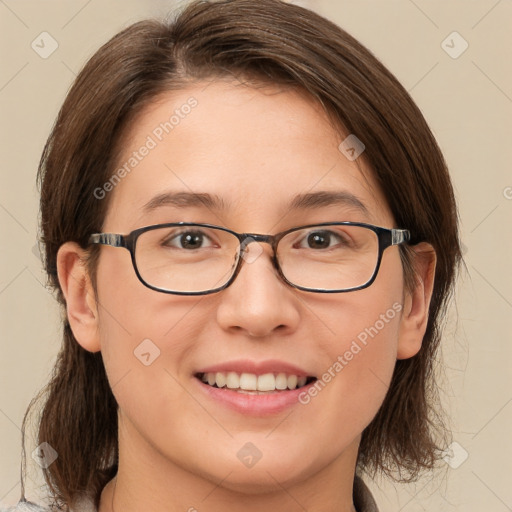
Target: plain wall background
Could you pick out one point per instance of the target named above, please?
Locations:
(466, 100)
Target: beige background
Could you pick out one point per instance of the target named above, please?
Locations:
(468, 103)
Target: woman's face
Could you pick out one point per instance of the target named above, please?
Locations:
(254, 150)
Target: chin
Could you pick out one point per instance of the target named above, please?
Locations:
(263, 481)
(265, 476)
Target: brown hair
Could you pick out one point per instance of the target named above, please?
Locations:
(272, 42)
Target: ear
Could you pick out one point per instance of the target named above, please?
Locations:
(80, 298)
(413, 323)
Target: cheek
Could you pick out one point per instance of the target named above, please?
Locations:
(369, 357)
(355, 380)
(142, 332)
(359, 353)
(370, 350)
(130, 309)
(363, 353)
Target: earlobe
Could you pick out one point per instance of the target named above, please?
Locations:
(415, 312)
(80, 298)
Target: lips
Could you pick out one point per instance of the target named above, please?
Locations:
(253, 403)
(258, 368)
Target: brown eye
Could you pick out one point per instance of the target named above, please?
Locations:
(187, 240)
(321, 239)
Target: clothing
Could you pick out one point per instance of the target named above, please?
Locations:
(363, 501)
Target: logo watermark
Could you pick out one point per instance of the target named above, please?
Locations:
(454, 45)
(249, 455)
(45, 455)
(352, 147)
(146, 352)
(455, 455)
(44, 45)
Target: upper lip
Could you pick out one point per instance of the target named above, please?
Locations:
(256, 367)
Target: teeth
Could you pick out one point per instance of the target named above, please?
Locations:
(249, 382)
(301, 381)
(281, 381)
(232, 380)
(266, 382)
(252, 382)
(220, 380)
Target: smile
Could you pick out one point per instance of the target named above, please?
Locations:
(251, 383)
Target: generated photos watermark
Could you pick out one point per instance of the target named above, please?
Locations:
(355, 348)
(152, 140)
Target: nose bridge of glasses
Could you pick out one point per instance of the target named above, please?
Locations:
(247, 238)
(255, 237)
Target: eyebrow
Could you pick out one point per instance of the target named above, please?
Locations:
(185, 199)
(327, 198)
(311, 200)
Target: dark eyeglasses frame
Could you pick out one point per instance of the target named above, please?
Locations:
(386, 238)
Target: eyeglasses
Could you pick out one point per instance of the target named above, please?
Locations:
(197, 259)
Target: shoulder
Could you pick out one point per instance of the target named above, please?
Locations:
(23, 506)
(28, 506)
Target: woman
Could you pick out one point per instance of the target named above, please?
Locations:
(253, 234)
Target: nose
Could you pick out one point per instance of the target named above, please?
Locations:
(258, 302)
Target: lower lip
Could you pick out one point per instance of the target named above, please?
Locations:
(255, 405)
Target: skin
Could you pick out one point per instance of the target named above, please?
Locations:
(255, 148)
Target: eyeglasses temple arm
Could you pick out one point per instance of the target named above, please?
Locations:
(399, 236)
(107, 239)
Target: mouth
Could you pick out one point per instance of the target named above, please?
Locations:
(253, 384)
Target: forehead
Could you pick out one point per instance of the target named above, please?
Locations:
(252, 153)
